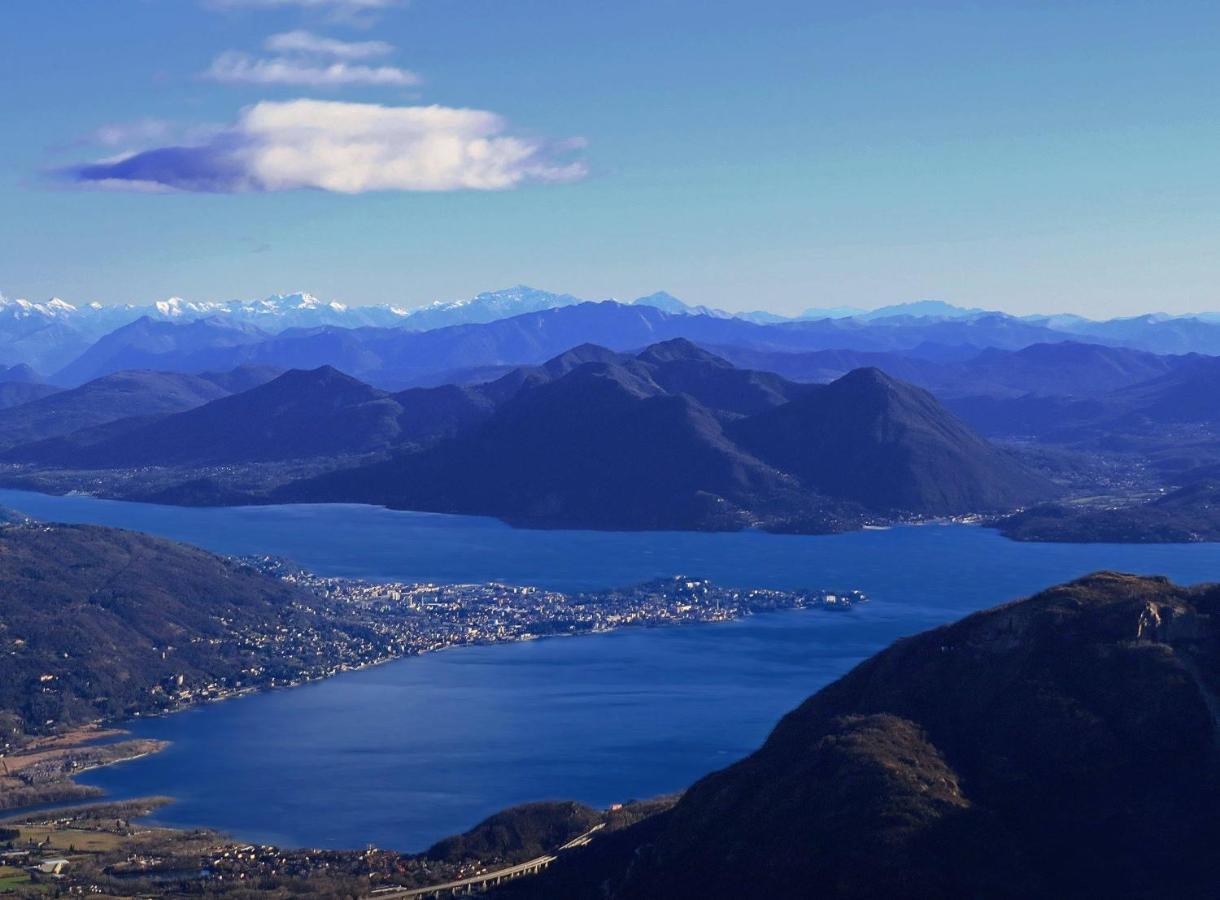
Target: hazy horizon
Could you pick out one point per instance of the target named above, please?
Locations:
(736, 309)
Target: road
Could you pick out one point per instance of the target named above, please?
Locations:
(468, 885)
(486, 879)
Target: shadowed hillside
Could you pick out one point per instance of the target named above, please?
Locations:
(673, 437)
(875, 440)
(100, 623)
(122, 396)
(678, 438)
(1060, 746)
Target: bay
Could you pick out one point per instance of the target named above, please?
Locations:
(405, 753)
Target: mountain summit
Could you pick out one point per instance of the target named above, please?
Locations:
(676, 437)
(886, 444)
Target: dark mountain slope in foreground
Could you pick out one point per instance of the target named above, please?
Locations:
(678, 438)
(1061, 746)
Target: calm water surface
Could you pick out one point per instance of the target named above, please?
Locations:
(405, 753)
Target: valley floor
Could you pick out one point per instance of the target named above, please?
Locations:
(105, 850)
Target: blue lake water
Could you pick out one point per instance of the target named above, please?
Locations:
(405, 753)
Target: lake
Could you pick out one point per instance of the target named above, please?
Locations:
(403, 754)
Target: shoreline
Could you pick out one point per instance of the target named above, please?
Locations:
(100, 729)
(991, 521)
(111, 849)
(42, 776)
(10, 481)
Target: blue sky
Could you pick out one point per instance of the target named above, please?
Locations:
(771, 154)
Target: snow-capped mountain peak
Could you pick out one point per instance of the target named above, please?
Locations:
(301, 300)
(20, 308)
(667, 302)
(485, 307)
(176, 307)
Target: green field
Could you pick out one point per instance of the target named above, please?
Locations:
(70, 840)
(11, 879)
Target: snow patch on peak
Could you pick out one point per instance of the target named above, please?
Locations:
(485, 307)
(20, 308)
(667, 302)
(172, 306)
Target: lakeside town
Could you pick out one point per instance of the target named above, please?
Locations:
(334, 625)
(373, 622)
(415, 618)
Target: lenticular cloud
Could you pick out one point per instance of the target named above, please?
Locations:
(348, 148)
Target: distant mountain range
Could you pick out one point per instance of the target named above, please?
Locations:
(1101, 420)
(49, 335)
(394, 358)
(918, 309)
(18, 374)
(52, 336)
(1101, 393)
(129, 395)
(1061, 369)
(20, 384)
(15, 393)
(299, 414)
(1086, 403)
(164, 346)
(671, 437)
(1062, 746)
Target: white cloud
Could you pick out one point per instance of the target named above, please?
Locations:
(235, 67)
(312, 60)
(347, 148)
(310, 44)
